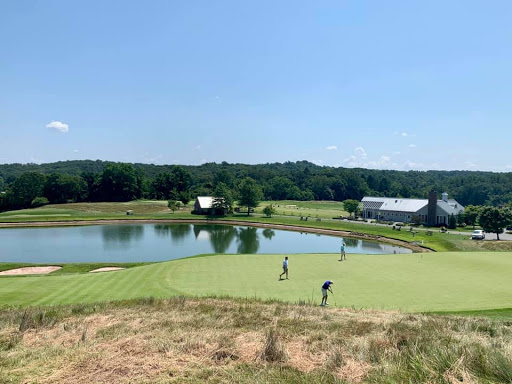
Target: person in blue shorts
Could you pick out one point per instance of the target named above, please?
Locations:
(343, 245)
(285, 268)
(326, 287)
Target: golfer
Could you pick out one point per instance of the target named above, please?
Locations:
(285, 268)
(326, 287)
(343, 255)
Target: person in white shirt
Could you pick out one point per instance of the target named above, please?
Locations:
(285, 268)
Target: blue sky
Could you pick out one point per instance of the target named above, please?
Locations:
(377, 84)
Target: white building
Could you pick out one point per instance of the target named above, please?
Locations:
(204, 206)
(432, 211)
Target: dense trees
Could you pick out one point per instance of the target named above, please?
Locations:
(106, 181)
(471, 213)
(495, 220)
(120, 182)
(250, 194)
(223, 198)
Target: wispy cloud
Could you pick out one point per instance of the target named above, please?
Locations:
(58, 126)
(403, 134)
(413, 165)
(383, 162)
(75, 150)
(197, 147)
(151, 159)
(412, 145)
(470, 165)
(360, 160)
(332, 148)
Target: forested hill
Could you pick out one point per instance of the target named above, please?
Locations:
(291, 180)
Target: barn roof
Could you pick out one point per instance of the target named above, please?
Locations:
(398, 204)
(205, 202)
(394, 204)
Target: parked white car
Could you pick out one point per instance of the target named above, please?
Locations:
(478, 234)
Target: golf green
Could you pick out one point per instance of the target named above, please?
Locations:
(453, 281)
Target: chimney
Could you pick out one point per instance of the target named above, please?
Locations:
(444, 196)
(432, 208)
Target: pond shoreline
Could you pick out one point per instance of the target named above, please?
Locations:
(332, 232)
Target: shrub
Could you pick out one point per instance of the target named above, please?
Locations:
(39, 202)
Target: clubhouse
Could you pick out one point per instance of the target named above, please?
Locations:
(432, 211)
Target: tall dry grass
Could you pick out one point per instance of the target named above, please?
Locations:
(187, 340)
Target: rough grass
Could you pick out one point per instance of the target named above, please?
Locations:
(453, 281)
(184, 340)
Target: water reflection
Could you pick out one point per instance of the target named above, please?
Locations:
(131, 242)
(221, 237)
(121, 236)
(268, 233)
(351, 242)
(248, 241)
(177, 232)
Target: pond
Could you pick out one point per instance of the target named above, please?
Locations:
(159, 242)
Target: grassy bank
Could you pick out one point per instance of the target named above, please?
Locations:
(185, 340)
(454, 281)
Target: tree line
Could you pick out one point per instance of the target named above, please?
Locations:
(87, 180)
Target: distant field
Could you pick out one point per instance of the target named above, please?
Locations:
(140, 208)
(454, 281)
(313, 209)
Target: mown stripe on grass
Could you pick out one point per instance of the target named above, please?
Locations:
(454, 281)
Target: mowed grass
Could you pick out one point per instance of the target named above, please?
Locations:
(108, 210)
(311, 209)
(452, 281)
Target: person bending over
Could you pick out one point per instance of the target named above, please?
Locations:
(326, 287)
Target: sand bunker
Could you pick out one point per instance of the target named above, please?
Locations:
(106, 269)
(30, 271)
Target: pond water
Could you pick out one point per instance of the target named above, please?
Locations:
(159, 242)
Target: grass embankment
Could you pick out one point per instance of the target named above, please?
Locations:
(185, 340)
(157, 210)
(454, 281)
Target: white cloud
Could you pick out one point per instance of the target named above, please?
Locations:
(317, 162)
(332, 148)
(351, 161)
(470, 165)
(75, 150)
(58, 126)
(360, 160)
(151, 159)
(359, 151)
(197, 147)
(404, 134)
(413, 165)
(412, 145)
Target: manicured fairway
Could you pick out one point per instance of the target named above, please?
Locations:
(454, 281)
